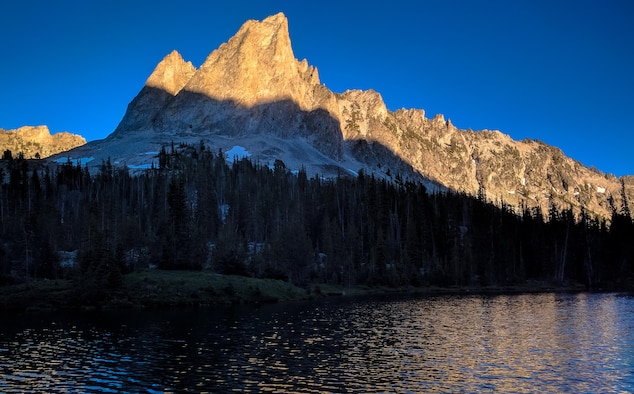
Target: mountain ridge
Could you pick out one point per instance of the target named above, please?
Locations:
(252, 91)
(37, 141)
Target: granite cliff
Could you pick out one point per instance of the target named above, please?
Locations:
(252, 92)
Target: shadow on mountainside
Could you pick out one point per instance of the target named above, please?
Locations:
(155, 118)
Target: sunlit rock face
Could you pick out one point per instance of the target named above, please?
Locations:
(253, 92)
(257, 66)
(488, 164)
(37, 141)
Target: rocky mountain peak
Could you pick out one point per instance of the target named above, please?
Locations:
(171, 74)
(256, 65)
(251, 85)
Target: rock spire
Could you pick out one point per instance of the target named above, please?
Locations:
(256, 65)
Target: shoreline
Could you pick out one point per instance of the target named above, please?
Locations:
(151, 289)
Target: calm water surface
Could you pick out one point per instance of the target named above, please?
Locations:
(519, 343)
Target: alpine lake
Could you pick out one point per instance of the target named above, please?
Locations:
(546, 342)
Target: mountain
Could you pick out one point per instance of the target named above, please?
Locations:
(253, 94)
(37, 141)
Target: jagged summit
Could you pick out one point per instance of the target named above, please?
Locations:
(167, 79)
(255, 69)
(252, 92)
(171, 74)
(256, 66)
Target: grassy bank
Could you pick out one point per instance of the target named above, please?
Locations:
(40, 295)
(158, 288)
(168, 288)
(148, 289)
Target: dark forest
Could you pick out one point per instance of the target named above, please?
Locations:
(195, 211)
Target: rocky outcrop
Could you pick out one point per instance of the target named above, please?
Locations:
(253, 89)
(37, 141)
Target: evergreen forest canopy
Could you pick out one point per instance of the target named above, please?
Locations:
(197, 212)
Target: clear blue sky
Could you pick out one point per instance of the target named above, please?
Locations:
(558, 71)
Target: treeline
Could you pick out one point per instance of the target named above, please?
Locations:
(196, 211)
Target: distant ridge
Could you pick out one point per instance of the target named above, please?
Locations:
(253, 93)
(37, 141)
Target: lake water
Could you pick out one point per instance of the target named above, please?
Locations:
(506, 343)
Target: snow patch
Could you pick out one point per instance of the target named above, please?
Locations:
(67, 259)
(151, 153)
(600, 189)
(511, 191)
(237, 153)
(353, 172)
(523, 181)
(224, 212)
(140, 167)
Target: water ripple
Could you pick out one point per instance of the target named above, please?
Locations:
(522, 343)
